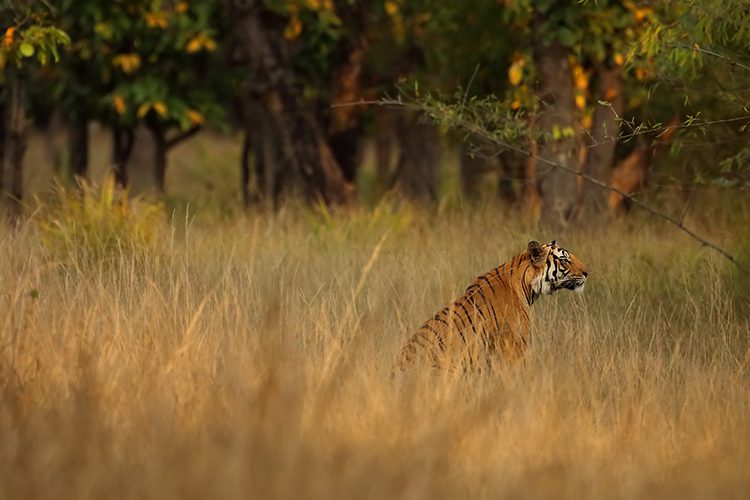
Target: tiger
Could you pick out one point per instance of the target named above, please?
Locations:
(492, 319)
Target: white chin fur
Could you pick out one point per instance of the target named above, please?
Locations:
(579, 289)
(542, 285)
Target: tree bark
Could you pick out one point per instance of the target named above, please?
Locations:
(3, 138)
(508, 165)
(630, 176)
(556, 121)
(78, 148)
(344, 130)
(632, 173)
(17, 144)
(418, 170)
(531, 195)
(122, 146)
(512, 171)
(603, 138)
(384, 142)
(259, 45)
(271, 177)
(160, 155)
(474, 167)
(245, 170)
(162, 146)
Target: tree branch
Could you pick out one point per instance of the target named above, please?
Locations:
(481, 132)
(174, 141)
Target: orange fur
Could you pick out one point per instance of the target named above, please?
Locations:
(493, 317)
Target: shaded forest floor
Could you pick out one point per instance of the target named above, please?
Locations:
(251, 356)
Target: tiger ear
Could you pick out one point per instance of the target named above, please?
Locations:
(536, 252)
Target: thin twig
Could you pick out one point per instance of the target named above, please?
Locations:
(481, 132)
(697, 48)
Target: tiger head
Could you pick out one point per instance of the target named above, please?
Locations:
(557, 268)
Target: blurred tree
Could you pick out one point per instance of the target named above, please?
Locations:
(145, 62)
(30, 41)
(465, 45)
(572, 45)
(697, 51)
(292, 131)
(548, 54)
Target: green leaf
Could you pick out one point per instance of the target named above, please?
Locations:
(567, 37)
(26, 49)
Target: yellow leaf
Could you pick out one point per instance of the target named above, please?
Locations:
(587, 120)
(580, 77)
(194, 45)
(611, 93)
(515, 72)
(181, 7)
(209, 44)
(391, 8)
(156, 20)
(119, 103)
(195, 117)
(515, 104)
(160, 108)
(128, 63)
(143, 109)
(619, 59)
(580, 101)
(8, 39)
(293, 29)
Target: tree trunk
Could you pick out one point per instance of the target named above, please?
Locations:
(344, 130)
(532, 198)
(270, 174)
(162, 146)
(474, 168)
(603, 138)
(3, 138)
(556, 122)
(260, 46)
(17, 145)
(78, 148)
(418, 170)
(122, 146)
(508, 165)
(384, 142)
(245, 170)
(161, 149)
(630, 176)
(512, 173)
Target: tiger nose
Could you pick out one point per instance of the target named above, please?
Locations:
(585, 274)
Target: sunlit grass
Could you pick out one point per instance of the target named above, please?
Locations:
(253, 357)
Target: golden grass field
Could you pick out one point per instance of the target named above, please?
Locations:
(250, 357)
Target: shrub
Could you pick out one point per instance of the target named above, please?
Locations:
(91, 223)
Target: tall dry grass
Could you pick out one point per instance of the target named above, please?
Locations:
(252, 358)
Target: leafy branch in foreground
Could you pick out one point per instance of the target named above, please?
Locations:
(503, 130)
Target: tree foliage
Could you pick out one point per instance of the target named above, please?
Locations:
(627, 69)
(143, 60)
